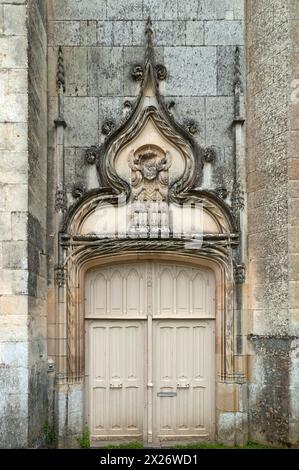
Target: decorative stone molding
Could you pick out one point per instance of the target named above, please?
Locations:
(240, 273)
(161, 171)
(78, 190)
(137, 73)
(209, 155)
(238, 198)
(128, 106)
(91, 155)
(60, 199)
(170, 106)
(161, 72)
(60, 276)
(108, 126)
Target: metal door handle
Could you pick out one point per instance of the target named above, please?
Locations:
(183, 385)
(116, 385)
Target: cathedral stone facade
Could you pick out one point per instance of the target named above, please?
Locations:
(149, 229)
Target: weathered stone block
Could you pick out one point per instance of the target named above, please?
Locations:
(105, 33)
(219, 118)
(132, 56)
(75, 60)
(105, 71)
(13, 52)
(218, 33)
(17, 81)
(188, 10)
(225, 69)
(208, 9)
(14, 108)
(65, 33)
(124, 10)
(194, 33)
(166, 33)
(81, 115)
(166, 10)
(13, 167)
(14, 305)
(122, 33)
(230, 9)
(191, 109)
(88, 33)
(78, 10)
(16, 197)
(14, 20)
(13, 282)
(15, 255)
(14, 354)
(5, 226)
(192, 71)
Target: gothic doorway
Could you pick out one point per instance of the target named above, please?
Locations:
(150, 352)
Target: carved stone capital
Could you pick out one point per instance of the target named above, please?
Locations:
(60, 199)
(60, 276)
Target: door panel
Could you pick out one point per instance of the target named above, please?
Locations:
(181, 300)
(116, 378)
(183, 378)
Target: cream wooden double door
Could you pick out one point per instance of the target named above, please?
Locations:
(150, 352)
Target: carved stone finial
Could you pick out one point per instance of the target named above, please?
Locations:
(237, 83)
(149, 52)
(149, 30)
(108, 126)
(240, 273)
(60, 76)
(137, 73)
(91, 155)
(237, 72)
(78, 190)
(191, 127)
(209, 155)
(161, 72)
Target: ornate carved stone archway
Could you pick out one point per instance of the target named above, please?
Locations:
(149, 172)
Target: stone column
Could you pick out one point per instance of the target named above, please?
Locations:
(272, 178)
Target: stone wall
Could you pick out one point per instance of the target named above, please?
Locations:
(37, 218)
(23, 353)
(102, 40)
(272, 178)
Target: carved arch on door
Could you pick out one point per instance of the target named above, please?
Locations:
(87, 257)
